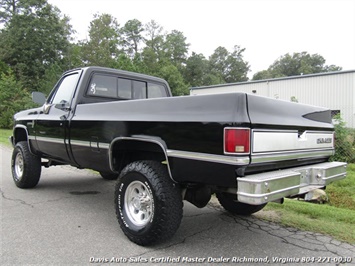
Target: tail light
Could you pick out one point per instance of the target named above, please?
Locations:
(237, 140)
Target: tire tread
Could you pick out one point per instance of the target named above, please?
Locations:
(32, 166)
(169, 202)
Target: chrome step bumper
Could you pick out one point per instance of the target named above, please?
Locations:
(270, 186)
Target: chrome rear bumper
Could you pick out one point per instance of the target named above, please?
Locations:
(270, 186)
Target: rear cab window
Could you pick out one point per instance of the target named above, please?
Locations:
(112, 88)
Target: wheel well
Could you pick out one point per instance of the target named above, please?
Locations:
(20, 134)
(126, 151)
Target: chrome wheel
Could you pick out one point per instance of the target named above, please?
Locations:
(148, 204)
(19, 166)
(139, 204)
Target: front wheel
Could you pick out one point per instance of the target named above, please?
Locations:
(229, 203)
(148, 204)
(25, 166)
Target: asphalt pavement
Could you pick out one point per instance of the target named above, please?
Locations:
(69, 219)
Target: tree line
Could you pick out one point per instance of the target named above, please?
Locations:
(37, 46)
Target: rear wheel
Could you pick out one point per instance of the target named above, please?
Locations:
(229, 203)
(25, 166)
(148, 204)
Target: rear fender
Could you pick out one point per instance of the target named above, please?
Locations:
(124, 150)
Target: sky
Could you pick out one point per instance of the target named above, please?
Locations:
(267, 29)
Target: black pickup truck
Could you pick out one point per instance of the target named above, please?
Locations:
(248, 150)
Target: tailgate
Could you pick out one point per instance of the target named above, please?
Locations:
(284, 130)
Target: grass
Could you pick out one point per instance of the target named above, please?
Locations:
(4, 136)
(342, 193)
(336, 218)
(336, 222)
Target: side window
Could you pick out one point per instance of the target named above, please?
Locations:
(103, 86)
(65, 90)
(156, 91)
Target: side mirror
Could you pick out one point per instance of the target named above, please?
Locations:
(63, 105)
(38, 97)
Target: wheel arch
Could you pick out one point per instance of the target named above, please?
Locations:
(124, 150)
(20, 133)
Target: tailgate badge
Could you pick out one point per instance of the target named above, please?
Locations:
(324, 140)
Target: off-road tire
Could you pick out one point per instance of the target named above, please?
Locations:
(148, 204)
(25, 166)
(109, 176)
(230, 204)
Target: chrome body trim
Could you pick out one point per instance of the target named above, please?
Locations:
(291, 155)
(104, 146)
(52, 140)
(243, 160)
(265, 187)
(101, 145)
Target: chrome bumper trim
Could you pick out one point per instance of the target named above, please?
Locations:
(262, 188)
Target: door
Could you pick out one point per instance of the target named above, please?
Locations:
(52, 124)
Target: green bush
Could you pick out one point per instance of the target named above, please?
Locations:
(344, 142)
(13, 98)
